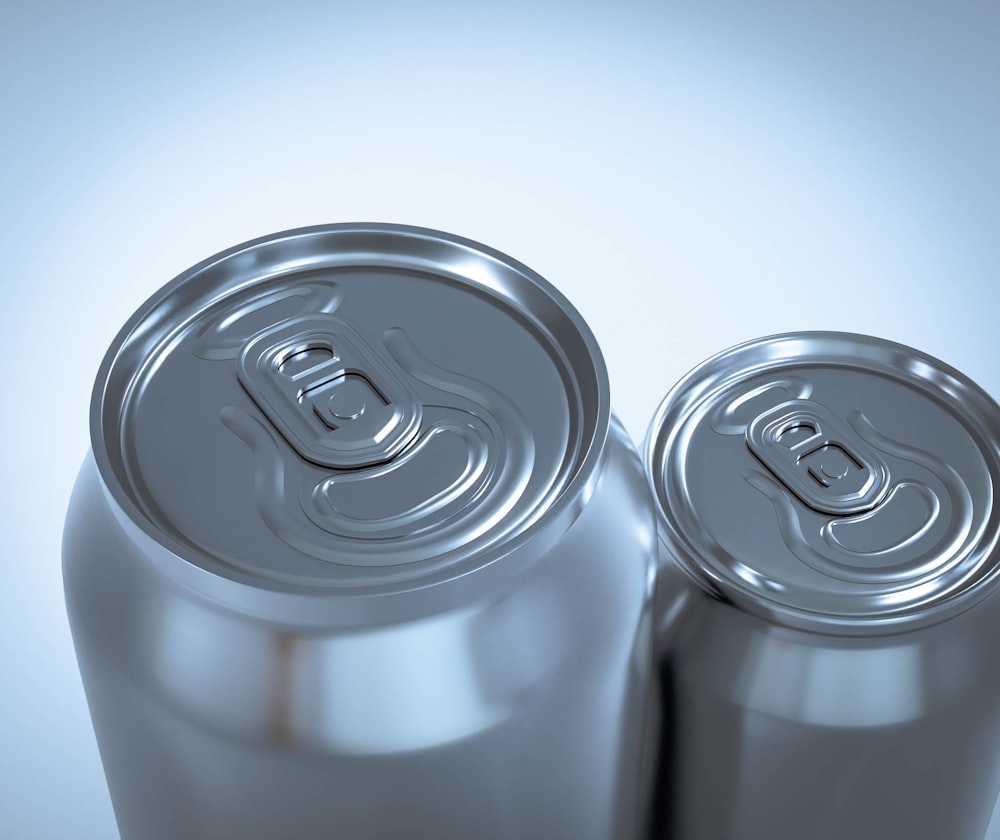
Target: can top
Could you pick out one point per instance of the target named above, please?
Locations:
(361, 408)
(831, 482)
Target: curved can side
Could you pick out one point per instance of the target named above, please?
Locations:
(484, 675)
(769, 733)
(827, 605)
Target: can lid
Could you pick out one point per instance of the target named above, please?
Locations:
(352, 406)
(831, 481)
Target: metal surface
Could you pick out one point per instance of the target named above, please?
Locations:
(827, 600)
(361, 548)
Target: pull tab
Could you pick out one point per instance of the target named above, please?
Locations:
(337, 401)
(817, 456)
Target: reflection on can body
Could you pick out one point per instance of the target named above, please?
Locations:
(827, 605)
(361, 551)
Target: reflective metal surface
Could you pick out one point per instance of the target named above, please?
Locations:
(361, 550)
(406, 403)
(827, 601)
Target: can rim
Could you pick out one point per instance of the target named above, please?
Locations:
(245, 591)
(978, 407)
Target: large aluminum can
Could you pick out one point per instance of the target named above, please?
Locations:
(360, 551)
(827, 606)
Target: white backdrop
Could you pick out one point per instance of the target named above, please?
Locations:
(690, 175)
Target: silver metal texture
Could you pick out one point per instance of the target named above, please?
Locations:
(361, 551)
(827, 605)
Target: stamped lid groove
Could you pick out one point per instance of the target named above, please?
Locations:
(354, 407)
(831, 481)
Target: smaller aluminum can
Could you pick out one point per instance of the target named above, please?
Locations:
(827, 606)
(362, 552)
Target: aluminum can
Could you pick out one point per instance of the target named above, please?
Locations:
(827, 607)
(360, 551)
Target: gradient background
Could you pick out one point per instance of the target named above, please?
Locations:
(690, 175)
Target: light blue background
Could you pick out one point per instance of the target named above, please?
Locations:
(690, 175)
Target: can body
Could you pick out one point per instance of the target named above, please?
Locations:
(769, 732)
(817, 682)
(504, 700)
